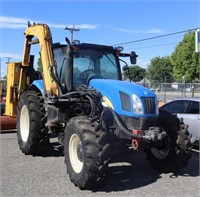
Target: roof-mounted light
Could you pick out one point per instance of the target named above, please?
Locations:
(119, 48)
(76, 42)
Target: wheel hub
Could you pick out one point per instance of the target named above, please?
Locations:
(163, 150)
(80, 152)
(24, 123)
(76, 153)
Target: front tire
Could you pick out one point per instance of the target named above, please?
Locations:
(174, 152)
(86, 150)
(31, 119)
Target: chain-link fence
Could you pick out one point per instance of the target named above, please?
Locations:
(168, 91)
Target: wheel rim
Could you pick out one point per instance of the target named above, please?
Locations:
(162, 153)
(76, 153)
(24, 123)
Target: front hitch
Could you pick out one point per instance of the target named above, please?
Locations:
(153, 136)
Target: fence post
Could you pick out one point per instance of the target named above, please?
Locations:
(183, 87)
(193, 86)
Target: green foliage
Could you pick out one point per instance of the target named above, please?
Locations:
(136, 73)
(39, 65)
(184, 59)
(160, 69)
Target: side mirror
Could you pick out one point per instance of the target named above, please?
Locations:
(133, 57)
(124, 68)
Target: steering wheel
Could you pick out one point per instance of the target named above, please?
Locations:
(86, 73)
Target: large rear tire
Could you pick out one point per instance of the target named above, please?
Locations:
(174, 152)
(31, 119)
(86, 150)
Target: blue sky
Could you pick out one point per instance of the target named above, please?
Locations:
(103, 22)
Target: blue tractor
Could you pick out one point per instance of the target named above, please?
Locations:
(81, 96)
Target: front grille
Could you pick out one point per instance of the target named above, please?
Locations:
(149, 105)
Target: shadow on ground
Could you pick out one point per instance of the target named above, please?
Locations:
(130, 171)
(139, 173)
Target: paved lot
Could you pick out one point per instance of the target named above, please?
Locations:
(46, 176)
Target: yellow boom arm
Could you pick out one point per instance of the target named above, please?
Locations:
(17, 79)
(43, 34)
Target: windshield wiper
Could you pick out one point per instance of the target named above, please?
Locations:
(107, 57)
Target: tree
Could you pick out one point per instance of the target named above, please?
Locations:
(136, 73)
(160, 70)
(39, 65)
(184, 59)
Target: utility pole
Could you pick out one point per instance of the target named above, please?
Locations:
(197, 46)
(72, 29)
(8, 59)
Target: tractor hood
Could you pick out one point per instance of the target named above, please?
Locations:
(120, 95)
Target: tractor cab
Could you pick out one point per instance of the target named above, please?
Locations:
(88, 61)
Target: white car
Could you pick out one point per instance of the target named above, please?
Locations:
(189, 110)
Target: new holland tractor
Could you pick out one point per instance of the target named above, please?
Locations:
(80, 95)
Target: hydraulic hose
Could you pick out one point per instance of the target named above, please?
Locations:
(123, 127)
(56, 80)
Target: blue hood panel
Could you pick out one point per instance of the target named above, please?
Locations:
(111, 89)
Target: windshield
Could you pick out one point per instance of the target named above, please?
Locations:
(94, 63)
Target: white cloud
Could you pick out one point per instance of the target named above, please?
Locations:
(148, 31)
(83, 26)
(124, 30)
(5, 19)
(155, 31)
(57, 26)
(12, 26)
(21, 23)
(13, 22)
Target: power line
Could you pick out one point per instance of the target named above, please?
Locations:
(155, 37)
(156, 41)
(157, 45)
(123, 15)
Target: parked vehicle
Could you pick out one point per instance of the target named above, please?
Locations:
(189, 110)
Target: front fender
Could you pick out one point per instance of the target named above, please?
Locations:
(39, 84)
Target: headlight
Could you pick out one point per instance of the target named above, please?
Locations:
(106, 102)
(137, 105)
